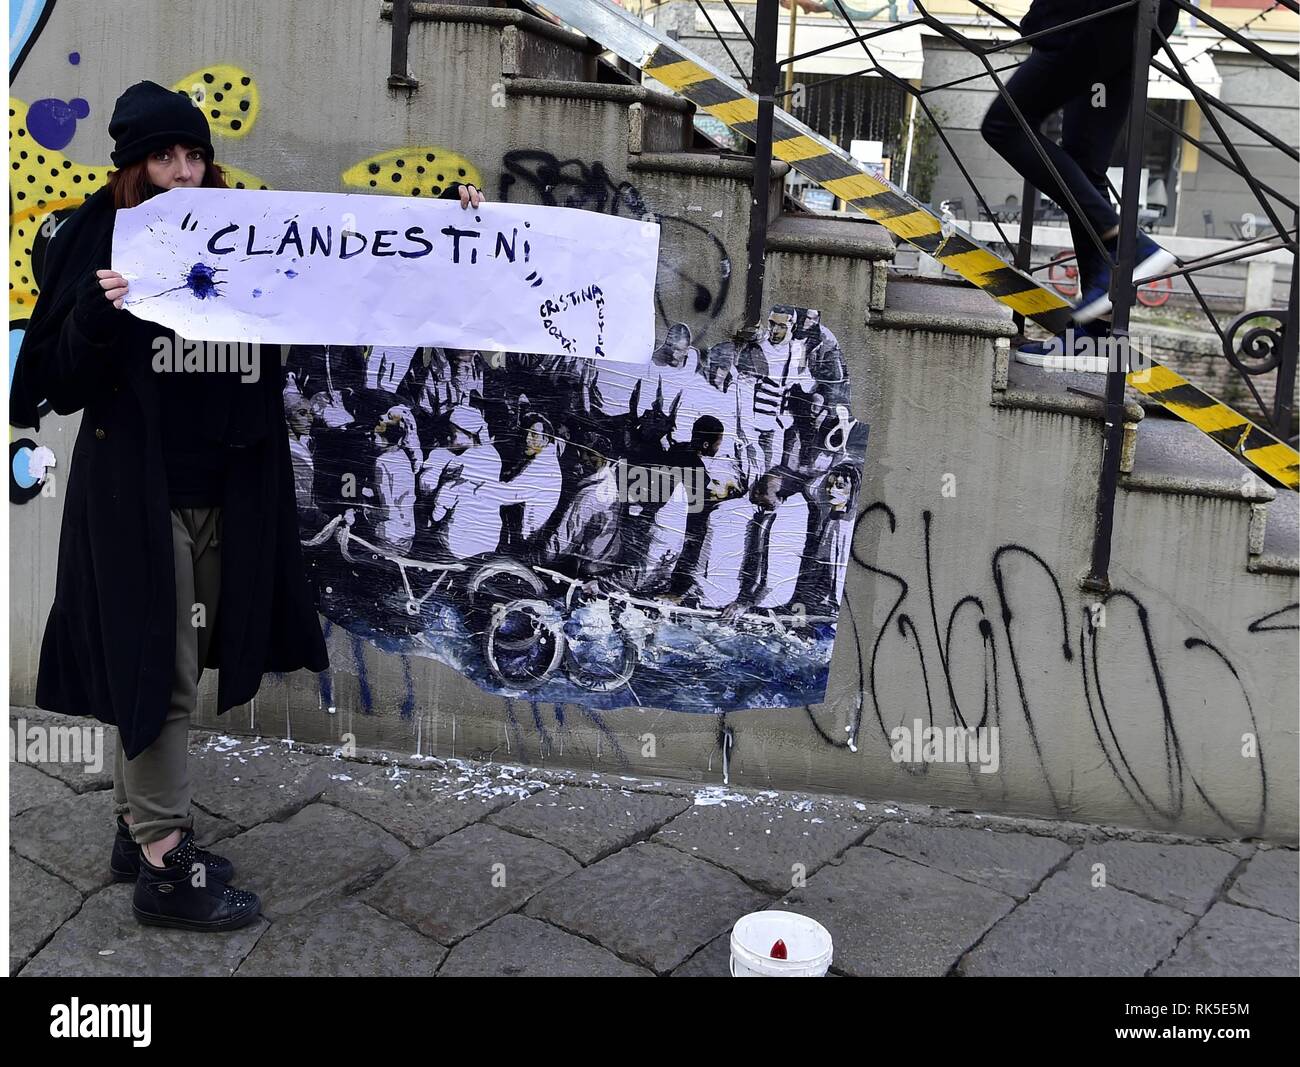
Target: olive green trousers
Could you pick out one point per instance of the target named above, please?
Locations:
(155, 786)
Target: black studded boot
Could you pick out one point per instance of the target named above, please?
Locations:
(182, 894)
(125, 861)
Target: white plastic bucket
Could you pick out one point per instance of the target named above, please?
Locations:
(807, 943)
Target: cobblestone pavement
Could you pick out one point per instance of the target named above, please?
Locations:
(407, 866)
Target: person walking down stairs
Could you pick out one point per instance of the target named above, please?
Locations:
(1085, 70)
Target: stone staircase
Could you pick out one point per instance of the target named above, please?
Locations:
(1151, 688)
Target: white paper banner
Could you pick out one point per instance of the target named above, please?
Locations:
(356, 269)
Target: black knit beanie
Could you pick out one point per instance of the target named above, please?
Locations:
(148, 117)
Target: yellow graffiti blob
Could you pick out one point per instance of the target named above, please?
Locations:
(416, 171)
(241, 179)
(41, 182)
(226, 95)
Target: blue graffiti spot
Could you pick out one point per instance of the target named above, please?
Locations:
(291, 274)
(52, 122)
(257, 292)
(74, 58)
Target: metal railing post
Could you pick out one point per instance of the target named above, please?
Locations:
(1284, 387)
(1123, 294)
(399, 73)
(764, 87)
(1025, 245)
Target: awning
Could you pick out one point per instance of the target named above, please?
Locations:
(1198, 63)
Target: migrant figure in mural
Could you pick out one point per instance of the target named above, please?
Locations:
(675, 532)
(180, 543)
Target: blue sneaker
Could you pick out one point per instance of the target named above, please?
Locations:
(1151, 260)
(1069, 350)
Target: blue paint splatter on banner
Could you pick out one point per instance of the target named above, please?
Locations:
(201, 281)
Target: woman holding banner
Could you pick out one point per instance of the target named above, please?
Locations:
(179, 542)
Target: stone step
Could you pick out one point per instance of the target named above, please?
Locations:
(1064, 393)
(1280, 553)
(530, 46)
(657, 122)
(1175, 457)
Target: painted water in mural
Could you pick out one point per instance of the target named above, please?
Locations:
(670, 534)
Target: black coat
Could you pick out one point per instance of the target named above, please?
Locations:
(109, 643)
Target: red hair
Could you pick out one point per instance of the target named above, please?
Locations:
(131, 186)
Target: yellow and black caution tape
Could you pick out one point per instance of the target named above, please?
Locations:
(836, 172)
(1221, 423)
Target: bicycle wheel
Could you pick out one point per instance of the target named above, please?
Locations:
(1156, 293)
(1064, 276)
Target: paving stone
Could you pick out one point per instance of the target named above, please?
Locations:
(320, 851)
(1186, 876)
(72, 837)
(253, 781)
(421, 807)
(1013, 863)
(342, 939)
(589, 824)
(1231, 942)
(209, 829)
(1269, 883)
(38, 904)
(77, 775)
(649, 903)
(763, 843)
(104, 940)
(712, 961)
(516, 946)
(1241, 849)
(889, 916)
(30, 788)
(446, 890)
(1067, 929)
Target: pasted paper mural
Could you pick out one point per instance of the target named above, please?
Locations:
(673, 534)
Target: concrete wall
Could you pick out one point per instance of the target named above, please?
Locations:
(976, 518)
